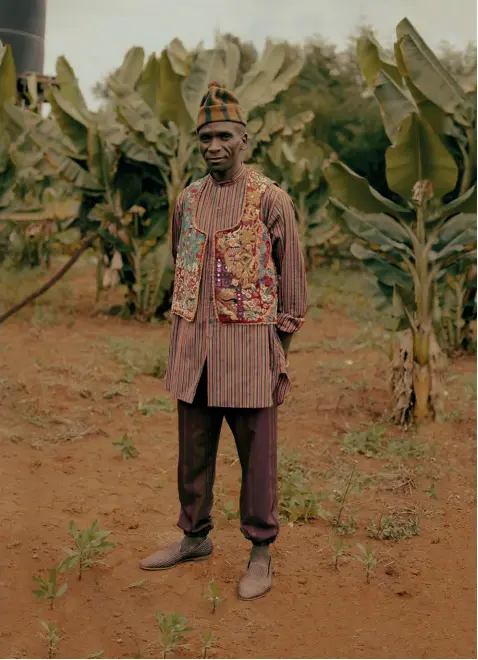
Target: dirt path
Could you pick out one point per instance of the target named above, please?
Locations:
(71, 383)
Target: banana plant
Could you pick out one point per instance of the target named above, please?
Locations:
(413, 239)
(158, 102)
(277, 146)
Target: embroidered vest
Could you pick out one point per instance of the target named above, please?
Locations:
(245, 279)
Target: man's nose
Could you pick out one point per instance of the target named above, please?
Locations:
(214, 146)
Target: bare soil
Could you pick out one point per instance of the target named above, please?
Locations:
(71, 384)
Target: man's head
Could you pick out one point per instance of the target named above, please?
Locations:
(221, 128)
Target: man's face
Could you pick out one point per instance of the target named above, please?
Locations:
(221, 144)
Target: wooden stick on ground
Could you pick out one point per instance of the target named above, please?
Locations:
(87, 242)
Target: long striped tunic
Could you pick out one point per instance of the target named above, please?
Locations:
(246, 365)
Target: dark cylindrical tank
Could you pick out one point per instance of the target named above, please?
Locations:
(22, 25)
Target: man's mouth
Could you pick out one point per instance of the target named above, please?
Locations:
(216, 159)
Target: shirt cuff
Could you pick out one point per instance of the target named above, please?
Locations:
(289, 324)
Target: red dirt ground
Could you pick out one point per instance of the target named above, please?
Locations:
(65, 399)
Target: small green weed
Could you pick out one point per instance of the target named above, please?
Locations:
(89, 545)
(150, 408)
(367, 558)
(230, 512)
(213, 594)
(208, 641)
(368, 442)
(127, 449)
(339, 549)
(51, 634)
(48, 588)
(138, 357)
(96, 654)
(44, 316)
(297, 502)
(430, 491)
(399, 524)
(346, 525)
(171, 630)
(405, 448)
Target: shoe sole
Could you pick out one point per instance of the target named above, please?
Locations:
(181, 561)
(256, 597)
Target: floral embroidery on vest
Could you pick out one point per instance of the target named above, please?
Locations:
(245, 280)
(190, 258)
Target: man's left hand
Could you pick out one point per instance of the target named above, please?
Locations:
(285, 339)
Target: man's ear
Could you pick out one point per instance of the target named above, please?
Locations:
(244, 141)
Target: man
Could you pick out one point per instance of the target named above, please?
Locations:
(239, 295)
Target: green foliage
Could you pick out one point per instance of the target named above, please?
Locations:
(127, 449)
(47, 588)
(339, 549)
(412, 239)
(171, 630)
(230, 512)
(213, 594)
(150, 408)
(297, 502)
(209, 641)
(367, 558)
(399, 524)
(89, 545)
(367, 442)
(138, 357)
(51, 634)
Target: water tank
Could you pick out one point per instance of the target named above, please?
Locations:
(22, 25)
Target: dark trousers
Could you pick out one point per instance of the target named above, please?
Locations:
(255, 433)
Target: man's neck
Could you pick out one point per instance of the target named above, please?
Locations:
(227, 175)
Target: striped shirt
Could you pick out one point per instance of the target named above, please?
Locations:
(246, 365)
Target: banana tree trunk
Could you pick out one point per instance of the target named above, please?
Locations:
(416, 384)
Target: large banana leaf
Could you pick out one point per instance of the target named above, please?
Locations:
(274, 122)
(383, 269)
(69, 87)
(135, 151)
(131, 68)
(232, 61)
(268, 76)
(395, 103)
(379, 230)
(135, 112)
(467, 203)
(460, 230)
(8, 77)
(426, 71)
(372, 61)
(69, 119)
(44, 133)
(354, 191)
(178, 57)
(148, 84)
(418, 154)
(207, 65)
(441, 122)
(171, 103)
(72, 172)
